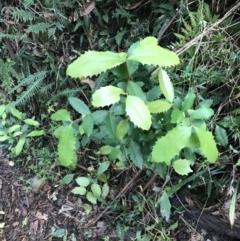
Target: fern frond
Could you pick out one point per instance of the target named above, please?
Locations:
(207, 12)
(100, 81)
(22, 15)
(66, 92)
(28, 3)
(14, 37)
(37, 28)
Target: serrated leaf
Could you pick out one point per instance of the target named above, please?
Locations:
(102, 61)
(106, 96)
(87, 124)
(207, 144)
(16, 113)
(79, 190)
(67, 179)
(104, 150)
(36, 133)
(111, 125)
(153, 93)
(182, 166)
(99, 116)
(166, 85)
(31, 122)
(122, 129)
(177, 116)
(96, 189)
(61, 115)
(221, 135)
(19, 146)
(158, 106)
(66, 147)
(82, 181)
(188, 101)
(135, 153)
(105, 190)
(103, 167)
(148, 52)
(79, 105)
(91, 198)
(13, 128)
(138, 112)
(202, 113)
(165, 206)
(170, 145)
(135, 90)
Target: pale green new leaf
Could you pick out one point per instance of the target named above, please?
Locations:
(138, 112)
(105, 190)
(170, 145)
(106, 96)
(122, 129)
(87, 124)
(177, 116)
(135, 153)
(96, 189)
(66, 147)
(103, 167)
(61, 115)
(36, 133)
(182, 166)
(79, 105)
(13, 128)
(94, 63)
(188, 101)
(19, 146)
(91, 198)
(207, 144)
(82, 181)
(165, 206)
(166, 85)
(221, 135)
(147, 51)
(158, 106)
(16, 113)
(79, 190)
(105, 150)
(31, 122)
(202, 113)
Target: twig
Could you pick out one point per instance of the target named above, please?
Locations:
(9, 46)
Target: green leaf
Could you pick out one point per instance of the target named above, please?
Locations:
(111, 125)
(87, 207)
(99, 116)
(91, 198)
(31, 122)
(106, 96)
(170, 145)
(79, 105)
(148, 52)
(135, 90)
(16, 113)
(182, 166)
(221, 135)
(2, 109)
(122, 129)
(105, 190)
(66, 147)
(201, 113)
(105, 150)
(188, 101)
(158, 106)
(61, 115)
(102, 61)
(103, 167)
(138, 112)
(166, 85)
(67, 179)
(120, 70)
(79, 190)
(82, 181)
(96, 189)
(165, 206)
(177, 116)
(17, 133)
(13, 128)
(114, 154)
(36, 133)
(135, 153)
(19, 146)
(87, 124)
(207, 145)
(153, 93)
(4, 138)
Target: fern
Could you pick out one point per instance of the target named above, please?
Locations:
(66, 93)
(15, 37)
(22, 15)
(37, 28)
(28, 3)
(100, 81)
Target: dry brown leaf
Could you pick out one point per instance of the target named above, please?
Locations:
(87, 81)
(43, 216)
(88, 7)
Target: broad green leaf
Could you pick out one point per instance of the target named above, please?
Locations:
(58, 131)
(122, 129)
(138, 112)
(207, 144)
(165, 206)
(19, 146)
(66, 147)
(135, 90)
(170, 145)
(177, 116)
(67, 179)
(153, 93)
(106, 96)
(79, 190)
(132, 66)
(193, 141)
(87, 124)
(13, 128)
(158, 106)
(16, 113)
(103, 167)
(91, 198)
(4, 138)
(166, 85)
(182, 166)
(99, 116)
(221, 135)
(111, 125)
(31, 122)
(61, 115)
(82, 181)
(135, 153)
(101, 61)
(188, 101)
(201, 113)
(120, 70)
(114, 154)
(2, 109)
(148, 52)
(36, 133)
(79, 105)
(105, 190)
(17, 133)
(105, 150)
(96, 189)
